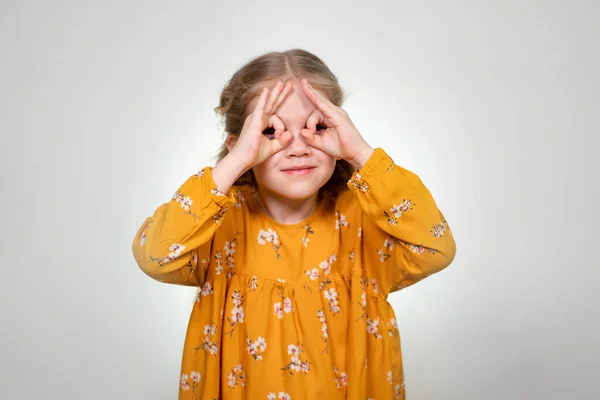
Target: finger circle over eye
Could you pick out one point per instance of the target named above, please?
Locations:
(314, 119)
(276, 123)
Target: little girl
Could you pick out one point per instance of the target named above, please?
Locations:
(296, 238)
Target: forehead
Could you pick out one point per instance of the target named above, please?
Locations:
(295, 108)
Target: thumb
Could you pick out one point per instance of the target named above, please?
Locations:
(312, 139)
(282, 140)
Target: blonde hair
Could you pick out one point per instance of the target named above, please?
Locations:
(245, 85)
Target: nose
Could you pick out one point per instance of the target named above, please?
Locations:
(298, 147)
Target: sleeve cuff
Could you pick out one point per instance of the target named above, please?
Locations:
(225, 200)
(378, 162)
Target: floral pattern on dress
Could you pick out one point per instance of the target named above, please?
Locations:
(253, 284)
(396, 211)
(236, 377)
(324, 334)
(194, 379)
(270, 236)
(439, 229)
(386, 252)
(340, 220)
(207, 290)
(174, 251)
(186, 203)
(208, 344)
(308, 231)
(240, 199)
(341, 379)
(373, 328)
(218, 217)
(322, 271)
(237, 313)
(332, 296)
(358, 183)
(285, 305)
(297, 363)
(256, 349)
(280, 396)
(364, 283)
(143, 236)
(229, 250)
(393, 327)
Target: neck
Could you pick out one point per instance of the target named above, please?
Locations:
(285, 210)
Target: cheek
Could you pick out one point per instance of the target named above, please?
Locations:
(328, 161)
(332, 170)
(262, 171)
(259, 173)
(328, 165)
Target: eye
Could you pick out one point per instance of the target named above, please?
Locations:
(269, 133)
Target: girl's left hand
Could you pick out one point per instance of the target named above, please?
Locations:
(340, 139)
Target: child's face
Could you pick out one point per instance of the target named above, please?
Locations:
(271, 175)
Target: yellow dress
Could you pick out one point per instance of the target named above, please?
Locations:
(296, 311)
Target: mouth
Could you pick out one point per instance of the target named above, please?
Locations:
(298, 171)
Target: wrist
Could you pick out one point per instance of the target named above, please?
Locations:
(362, 157)
(235, 163)
(227, 172)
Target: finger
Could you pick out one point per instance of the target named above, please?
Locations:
(286, 89)
(313, 120)
(273, 97)
(324, 105)
(281, 142)
(260, 104)
(277, 124)
(311, 138)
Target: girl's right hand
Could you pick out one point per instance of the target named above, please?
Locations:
(263, 133)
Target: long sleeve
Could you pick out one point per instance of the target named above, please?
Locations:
(170, 243)
(406, 237)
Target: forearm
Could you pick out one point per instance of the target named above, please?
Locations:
(165, 243)
(226, 172)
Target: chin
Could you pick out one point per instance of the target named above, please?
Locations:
(297, 191)
(292, 189)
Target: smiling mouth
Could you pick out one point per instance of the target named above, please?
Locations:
(299, 171)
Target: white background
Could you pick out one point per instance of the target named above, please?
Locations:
(106, 107)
